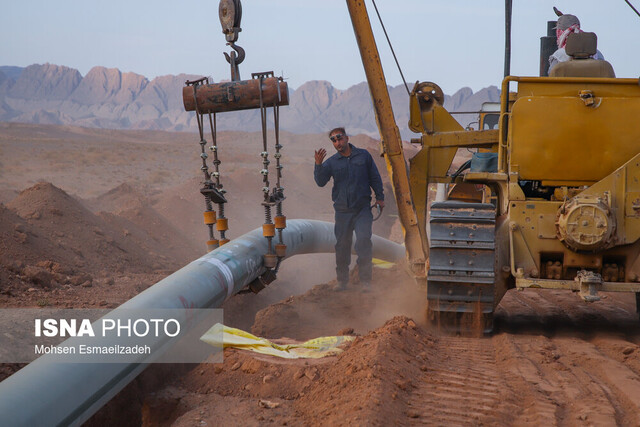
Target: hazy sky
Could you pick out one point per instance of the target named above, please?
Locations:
(454, 43)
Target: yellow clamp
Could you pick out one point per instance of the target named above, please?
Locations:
(268, 230)
(281, 222)
(222, 224)
(209, 217)
(281, 250)
(212, 244)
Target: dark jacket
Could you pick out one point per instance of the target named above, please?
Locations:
(353, 178)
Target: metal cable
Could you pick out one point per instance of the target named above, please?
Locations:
(631, 6)
(265, 153)
(278, 155)
(216, 164)
(391, 47)
(214, 150)
(265, 166)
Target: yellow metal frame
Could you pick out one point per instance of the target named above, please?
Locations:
(442, 136)
(417, 248)
(614, 177)
(530, 223)
(566, 121)
(573, 285)
(525, 226)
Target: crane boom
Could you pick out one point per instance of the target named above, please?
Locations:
(416, 247)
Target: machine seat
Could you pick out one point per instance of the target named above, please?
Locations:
(580, 47)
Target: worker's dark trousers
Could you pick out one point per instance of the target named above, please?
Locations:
(346, 224)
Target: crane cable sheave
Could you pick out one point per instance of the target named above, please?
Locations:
(230, 13)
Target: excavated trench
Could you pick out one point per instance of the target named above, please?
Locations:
(552, 360)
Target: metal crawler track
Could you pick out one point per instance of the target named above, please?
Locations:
(461, 276)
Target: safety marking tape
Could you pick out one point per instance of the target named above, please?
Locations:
(226, 271)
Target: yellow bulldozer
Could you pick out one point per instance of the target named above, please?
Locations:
(560, 164)
(557, 160)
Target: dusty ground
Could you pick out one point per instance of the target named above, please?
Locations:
(90, 218)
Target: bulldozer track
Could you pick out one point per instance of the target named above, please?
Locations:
(568, 361)
(528, 379)
(464, 376)
(461, 272)
(566, 378)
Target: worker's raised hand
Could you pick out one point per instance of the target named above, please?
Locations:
(320, 155)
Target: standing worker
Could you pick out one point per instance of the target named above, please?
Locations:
(354, 174)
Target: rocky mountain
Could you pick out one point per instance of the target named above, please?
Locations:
(109, 98)
(11, 71)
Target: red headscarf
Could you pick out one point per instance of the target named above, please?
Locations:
(561, 35)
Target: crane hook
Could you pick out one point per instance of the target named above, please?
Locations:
(235, 60)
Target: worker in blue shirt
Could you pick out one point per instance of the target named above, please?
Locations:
(354, 174)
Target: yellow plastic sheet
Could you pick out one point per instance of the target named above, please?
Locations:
(236, 338)
(382, 264)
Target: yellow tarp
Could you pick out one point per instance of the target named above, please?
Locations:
(382, 264)
(236, 338)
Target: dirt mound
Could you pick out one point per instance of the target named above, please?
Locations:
(68, 224)
(146, 228)
(182, 205)
(127, 208)
(240, 310)
(370, 380)
(118, 199)
(44, 201)
(373, 380)
(18, 242)
(324, 311)
(32, 263)
(60, 254)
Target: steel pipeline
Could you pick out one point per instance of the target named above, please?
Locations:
(50, 393)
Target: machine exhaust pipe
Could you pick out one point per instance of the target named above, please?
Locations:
(547, 47)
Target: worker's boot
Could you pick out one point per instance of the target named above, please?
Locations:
(340, 286)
